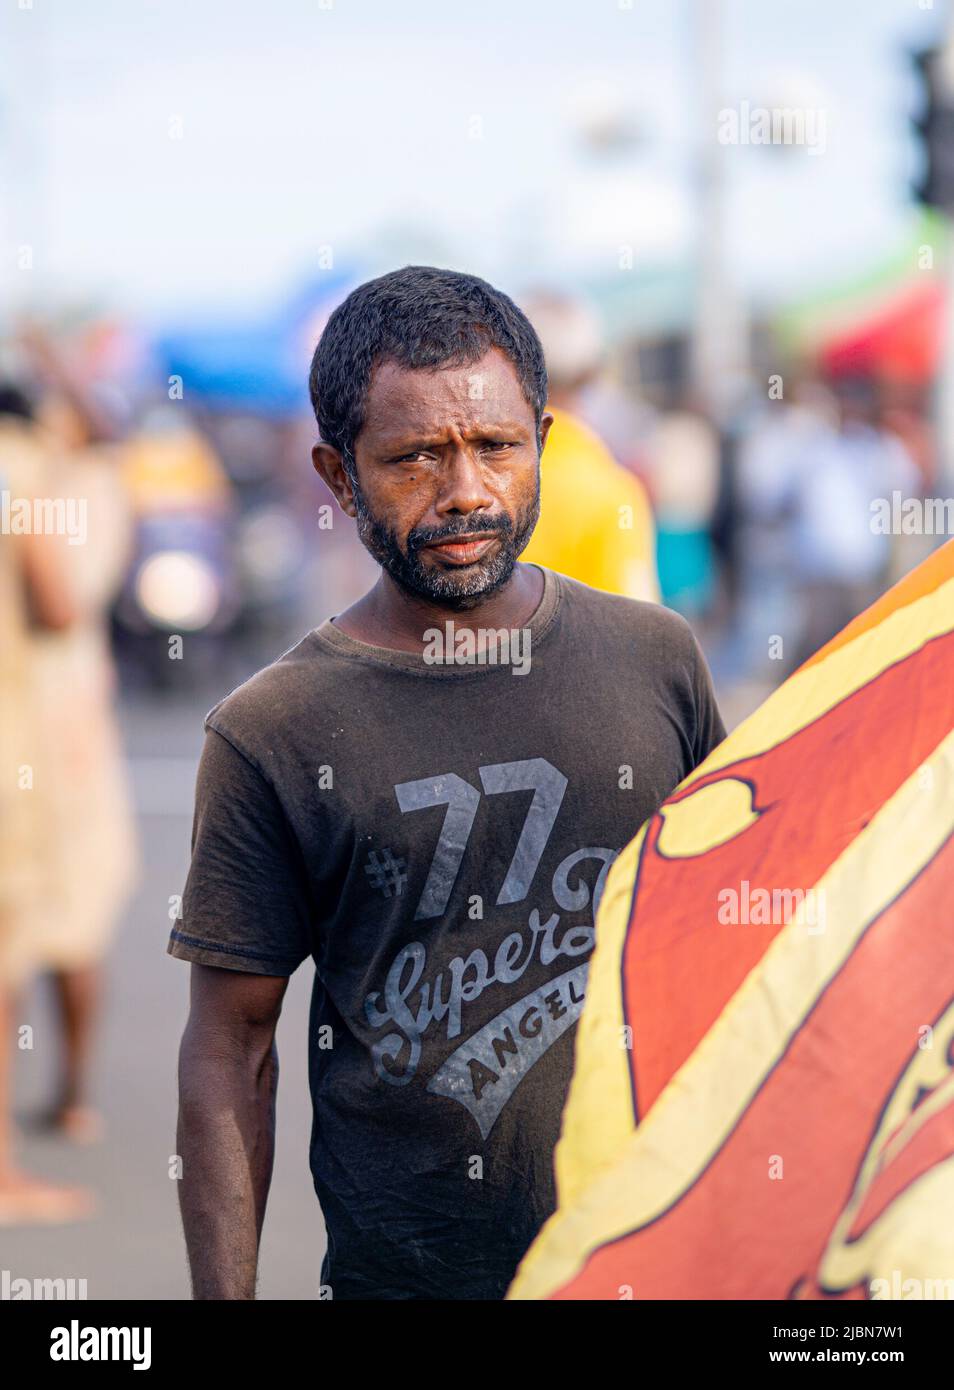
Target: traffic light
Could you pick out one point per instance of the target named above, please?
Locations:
(935, 124)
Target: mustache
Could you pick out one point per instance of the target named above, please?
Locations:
(466, 526)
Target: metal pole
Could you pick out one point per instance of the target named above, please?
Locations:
(716, 351)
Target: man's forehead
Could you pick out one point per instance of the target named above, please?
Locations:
(406, 397)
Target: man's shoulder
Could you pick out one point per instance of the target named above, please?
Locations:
(290, 692)
(631, 618)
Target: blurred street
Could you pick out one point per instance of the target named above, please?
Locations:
(133, 1247)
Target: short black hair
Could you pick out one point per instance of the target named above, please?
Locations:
(419, 317)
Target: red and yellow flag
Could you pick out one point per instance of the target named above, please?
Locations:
(763, 1098)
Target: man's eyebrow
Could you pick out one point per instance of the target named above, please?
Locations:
(407, 444)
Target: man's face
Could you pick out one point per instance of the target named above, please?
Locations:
(448, 488)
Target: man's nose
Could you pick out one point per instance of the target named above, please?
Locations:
(463, 487)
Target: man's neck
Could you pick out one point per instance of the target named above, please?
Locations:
(387, 616)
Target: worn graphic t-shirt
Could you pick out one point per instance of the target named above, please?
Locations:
(436, 837)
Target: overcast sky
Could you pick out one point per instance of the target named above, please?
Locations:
(431, 129)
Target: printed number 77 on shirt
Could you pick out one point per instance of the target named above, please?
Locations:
(461, 799)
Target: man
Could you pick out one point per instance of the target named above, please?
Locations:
(424, 795)
(596, 524)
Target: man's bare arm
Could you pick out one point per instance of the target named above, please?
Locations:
(228, 1080)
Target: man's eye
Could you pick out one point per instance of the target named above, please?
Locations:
(409, 458)
(495, 445)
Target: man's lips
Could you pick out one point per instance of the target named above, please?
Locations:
(463, 550)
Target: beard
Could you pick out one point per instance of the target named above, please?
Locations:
(456, 589)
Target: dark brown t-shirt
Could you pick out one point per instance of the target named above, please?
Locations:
(436, 837)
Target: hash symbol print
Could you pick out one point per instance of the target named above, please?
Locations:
(387, 874)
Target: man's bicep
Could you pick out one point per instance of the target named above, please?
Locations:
(232, 1001)
(245, 906)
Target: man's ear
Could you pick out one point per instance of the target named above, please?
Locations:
(329, 465)
(546, 420)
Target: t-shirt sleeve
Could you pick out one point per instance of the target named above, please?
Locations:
(245, 905)
(709, 730)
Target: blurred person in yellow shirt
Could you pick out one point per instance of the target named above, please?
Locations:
(596, 524)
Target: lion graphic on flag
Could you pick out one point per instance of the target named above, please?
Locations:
(763, 1099)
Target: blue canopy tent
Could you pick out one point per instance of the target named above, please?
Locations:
(260, 366)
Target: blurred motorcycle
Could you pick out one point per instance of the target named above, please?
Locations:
(181, 596)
